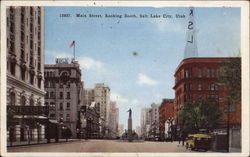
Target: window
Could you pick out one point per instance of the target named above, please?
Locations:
(68, 117)
(12, 68)
(52, 95)
(47, 95)
(23, 100)
(199, 73)
(199, 87)
(211, 87)
(199, 97)
(68, 106)
(216, 87)
(61, 95)
(212, 73)
(188, 87)
(188, 73)
(31, 78)
(61, 85)
(68, 95)
(39, 82)
(31, 102)
(61, 106)
(209, 73)
(23, 73)
(12, 98)
(52, 115)
(52, 106)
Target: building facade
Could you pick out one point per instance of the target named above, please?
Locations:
(145, 122)
(154, 119)
(196, 79)
(25, 64)
(166, 117)
(64, 93)
(100, 95)
(113, 120)
(138, 131)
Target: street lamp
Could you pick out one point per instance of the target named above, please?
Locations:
(170, 128)
(38, 132)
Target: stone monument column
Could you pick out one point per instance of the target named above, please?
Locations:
(130, 126)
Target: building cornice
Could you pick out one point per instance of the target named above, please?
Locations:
(199, 60)
(23, 85)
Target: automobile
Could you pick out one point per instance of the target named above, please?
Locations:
(157, 138)
(198, 141)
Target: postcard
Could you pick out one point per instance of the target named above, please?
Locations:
(123, 78)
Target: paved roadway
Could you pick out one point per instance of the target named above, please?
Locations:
(102, 146)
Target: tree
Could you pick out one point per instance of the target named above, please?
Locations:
(10, 116)
(230, 77)
(202, 115)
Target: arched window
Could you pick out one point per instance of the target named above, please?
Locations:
(12, 98)
(31, 102)
(23, 101)
(39, 103)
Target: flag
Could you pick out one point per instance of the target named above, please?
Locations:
(72, 44)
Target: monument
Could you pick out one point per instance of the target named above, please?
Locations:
(130, 136)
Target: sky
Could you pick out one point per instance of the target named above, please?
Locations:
(105, 48)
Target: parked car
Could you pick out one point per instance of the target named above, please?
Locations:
(198, 141)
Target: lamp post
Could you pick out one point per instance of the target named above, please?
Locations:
(228, 124)
(60, 128)
(38, 132)
(170, 128)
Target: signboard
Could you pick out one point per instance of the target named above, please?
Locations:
(29, 110)
(62, 60)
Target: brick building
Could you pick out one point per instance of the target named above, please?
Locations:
(197, 79)
(166, 114)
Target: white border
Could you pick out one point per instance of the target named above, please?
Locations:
(245, 68)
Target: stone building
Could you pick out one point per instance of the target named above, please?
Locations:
(154, 119)
(145, 122)
(25, 66)
(100, 95)
(113, 120)
(64, 93)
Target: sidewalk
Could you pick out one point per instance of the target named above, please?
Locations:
(25, 143)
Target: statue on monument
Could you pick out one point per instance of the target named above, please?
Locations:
(130, 112)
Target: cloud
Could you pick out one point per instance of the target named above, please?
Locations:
(145, 80)
(90, 63)
(118, 98)
(57, 54)
(121, 100)
(163, 25)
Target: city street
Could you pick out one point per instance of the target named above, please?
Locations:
(103, 146)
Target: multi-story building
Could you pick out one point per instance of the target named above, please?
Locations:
(196, 79)
(120, 130)
(145, 122)
(102, 97)
(138, 130)
(154, 119)
(64, 92)
(166, 117)
(113, 120)
(25, 64)
(89, 96)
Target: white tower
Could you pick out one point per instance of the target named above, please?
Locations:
(191, 41)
